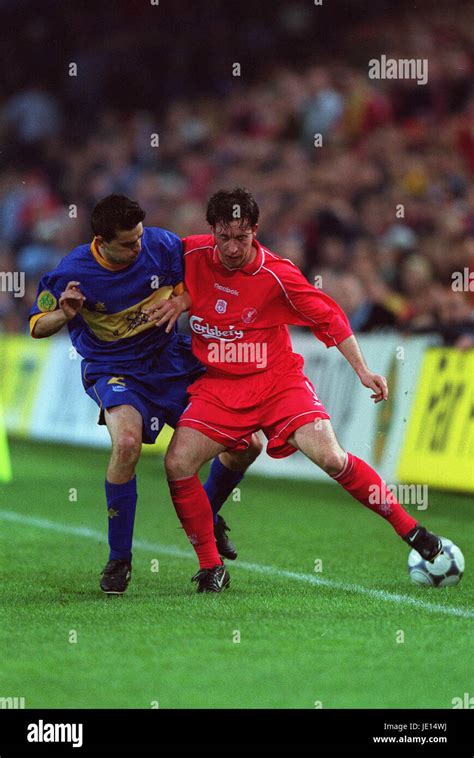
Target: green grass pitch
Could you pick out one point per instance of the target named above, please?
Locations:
(305, 637)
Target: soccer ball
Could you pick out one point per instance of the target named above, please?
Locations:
(446, 570)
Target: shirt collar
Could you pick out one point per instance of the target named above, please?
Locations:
(103, 262)
(250, 268)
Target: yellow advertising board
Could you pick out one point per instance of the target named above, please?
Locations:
(439, 445)
(23, 361)
(5, 465)
(161, 444)
(23, 364)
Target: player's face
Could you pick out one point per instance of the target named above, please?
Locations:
(124, 247)
(234, 243)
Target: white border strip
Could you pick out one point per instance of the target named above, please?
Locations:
(391, 597)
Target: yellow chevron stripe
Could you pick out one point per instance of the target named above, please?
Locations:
(110, 327)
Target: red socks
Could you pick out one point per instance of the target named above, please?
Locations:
(356, 476)
(363, 483)
(194, 512)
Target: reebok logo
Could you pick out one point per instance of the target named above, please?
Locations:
(225, 289)
(42, 732)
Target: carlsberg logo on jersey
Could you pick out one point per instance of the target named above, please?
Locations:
(213, 332)
(42, 732)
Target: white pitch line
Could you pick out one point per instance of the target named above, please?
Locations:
(391, 597)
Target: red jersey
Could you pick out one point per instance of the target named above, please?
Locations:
(239, 317)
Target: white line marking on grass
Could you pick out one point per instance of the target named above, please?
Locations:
(176, 552)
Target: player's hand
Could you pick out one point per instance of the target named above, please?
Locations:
(376, 383)
(167, 311)
(71, 300)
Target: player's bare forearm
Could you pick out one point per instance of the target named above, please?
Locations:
(70, 304)
(49, 324)
(351, 351)
(169, 310)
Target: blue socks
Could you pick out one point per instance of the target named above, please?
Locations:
(219, 485)
(122, 503)
(121, 506)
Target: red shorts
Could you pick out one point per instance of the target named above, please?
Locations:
(228, 409)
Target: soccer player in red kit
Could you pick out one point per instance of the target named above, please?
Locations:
(241, 298)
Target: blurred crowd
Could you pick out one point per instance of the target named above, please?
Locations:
(378, 211)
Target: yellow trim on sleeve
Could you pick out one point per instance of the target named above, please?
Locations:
(34, 320)
(179, 288)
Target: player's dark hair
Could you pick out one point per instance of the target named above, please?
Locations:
(115, 213)
(226, 206)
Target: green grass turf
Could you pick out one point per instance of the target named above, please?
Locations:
(300, 643)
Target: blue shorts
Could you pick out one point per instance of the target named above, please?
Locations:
(156, 387)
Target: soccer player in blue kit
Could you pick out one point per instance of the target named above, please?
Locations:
(137, 374)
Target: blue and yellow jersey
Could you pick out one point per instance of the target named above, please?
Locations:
(112, 324)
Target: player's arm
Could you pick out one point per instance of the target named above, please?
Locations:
(329, 323)
(170, 310)
(49, 323)
(351, 351)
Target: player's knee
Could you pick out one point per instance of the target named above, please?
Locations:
(178, 464)
(331, 461)
(127, 447)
